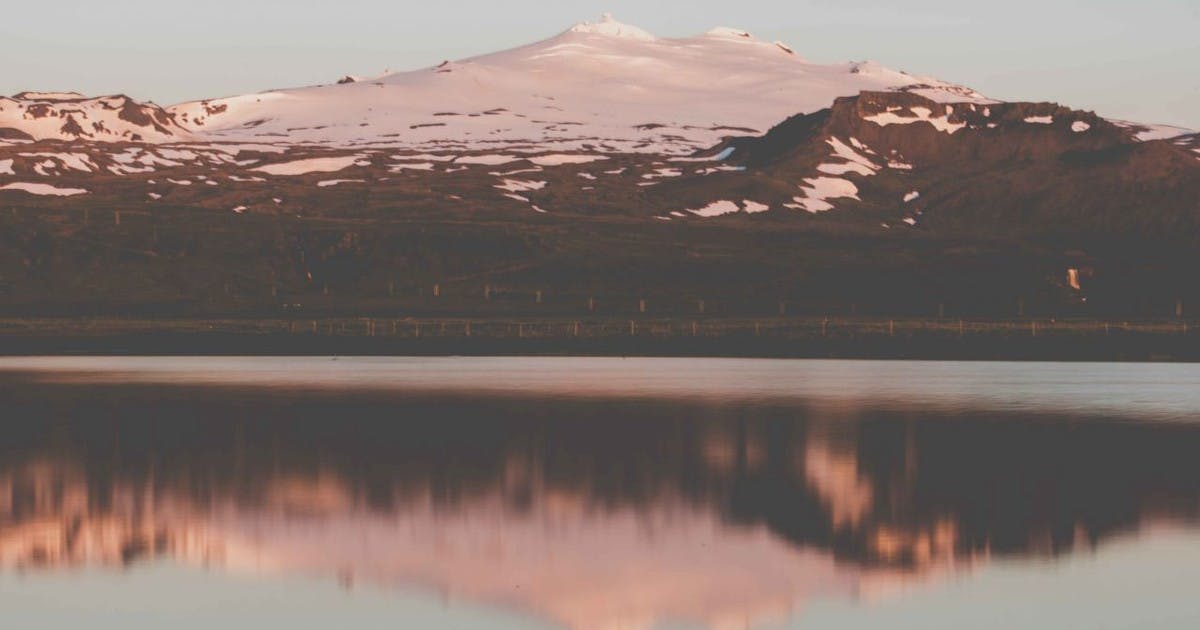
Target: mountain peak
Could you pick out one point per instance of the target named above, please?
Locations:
(612, 28)
(732, 33)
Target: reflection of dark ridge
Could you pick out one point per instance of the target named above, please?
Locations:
(1010, 485)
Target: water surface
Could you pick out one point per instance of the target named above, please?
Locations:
(597, 493)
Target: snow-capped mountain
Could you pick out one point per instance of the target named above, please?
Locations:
(605, 86)
(603, 118)
(602, 86)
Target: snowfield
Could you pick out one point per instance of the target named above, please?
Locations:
(604, 85)
(313, 165)
(43, 189)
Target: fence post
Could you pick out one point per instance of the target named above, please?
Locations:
(576, 333)
(700, 306)
(437, 290)
(487, 291)
(1179, 307)
(891, 328)
(1033, 327)
(591, 303)
(642, 305)
(693, 329)
(392, 287)
(539, 296)
(116, 217)
(632, 328)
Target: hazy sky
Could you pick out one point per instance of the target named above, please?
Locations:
(1138, 60)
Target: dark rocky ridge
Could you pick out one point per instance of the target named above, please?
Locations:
(999, 174)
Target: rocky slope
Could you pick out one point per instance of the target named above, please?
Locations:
(909, 162)
(31, 116)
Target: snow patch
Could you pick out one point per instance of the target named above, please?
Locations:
(724, 168)
(660, 173)
(334, 182)
(487, 160)
(314, 165)
(912, 196)
(716, 209)
(922, 114)
(753, 207)
(44, 189)
(1040, 120)
(817, 190)
(855, 162)
(425, 157)
(1147, 133)
(517, 185)
(6, 167)
(418, 166)
(558, 159)
(74, 161)
(1079, 126)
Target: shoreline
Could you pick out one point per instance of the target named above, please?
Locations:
(808, 338)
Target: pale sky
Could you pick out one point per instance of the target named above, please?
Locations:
(1136, 60)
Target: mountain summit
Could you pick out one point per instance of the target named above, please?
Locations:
(609, 26)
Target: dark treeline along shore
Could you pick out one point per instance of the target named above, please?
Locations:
(778, 337)
(206, 281)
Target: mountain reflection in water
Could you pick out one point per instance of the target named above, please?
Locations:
(591, 511)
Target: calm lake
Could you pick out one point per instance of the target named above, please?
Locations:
(597, 493)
